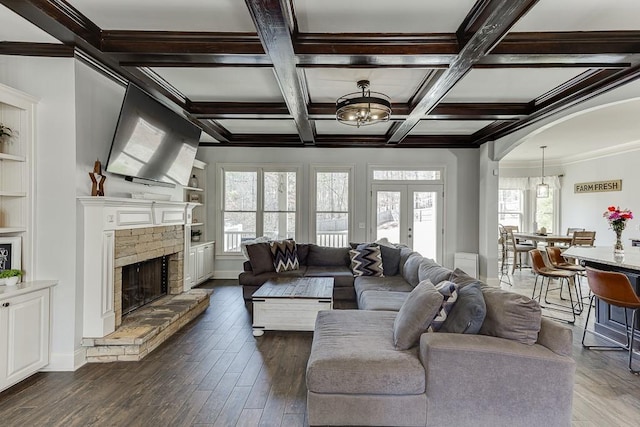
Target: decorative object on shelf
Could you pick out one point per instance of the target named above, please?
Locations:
(195, 235)
(543, 231)
(10, 253)
(193, 182)
(5, 131)
(362, 109)
(617, 219)
(542, 190)
(97, 179)
(194, 198)
(10, 277)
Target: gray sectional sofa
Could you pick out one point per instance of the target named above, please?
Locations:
(517, 370)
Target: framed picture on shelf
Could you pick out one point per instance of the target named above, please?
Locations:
(195, 198)
(10, 253)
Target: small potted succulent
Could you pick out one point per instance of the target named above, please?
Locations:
(195, 235)
(10, 277)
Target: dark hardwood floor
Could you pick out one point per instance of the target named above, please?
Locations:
(215, 373)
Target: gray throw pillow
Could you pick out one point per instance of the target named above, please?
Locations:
(468, 313)
(410, 269)
(511, 316)
(461, 278)
(390, 260)
(415, 315)
(260, 258)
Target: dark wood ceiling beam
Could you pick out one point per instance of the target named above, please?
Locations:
(375, 44)
(326, 111)
(181, 42)
(270, 18)
(216, 130)
(503, 15)
(583, 81)
(191, 60)
(52, 50)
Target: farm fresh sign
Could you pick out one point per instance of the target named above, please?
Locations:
(598, 186)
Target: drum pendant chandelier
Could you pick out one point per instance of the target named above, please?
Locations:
(361, 108)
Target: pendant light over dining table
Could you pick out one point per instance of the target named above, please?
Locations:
(542, 190)
(363, 108)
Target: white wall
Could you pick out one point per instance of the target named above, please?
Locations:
(586, 209)
(52, 81)
(461, 186)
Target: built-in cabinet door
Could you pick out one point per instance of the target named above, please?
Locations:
(208, 261)
(24, 336)
(199, 264)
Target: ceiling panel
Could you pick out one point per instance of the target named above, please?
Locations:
(328, 84)
(379, 16)
(333, 127)
(192, 15)
(509, 84)
(225, 84)
(449, 127)
(259, 126)
(17, 29)
(581, 15)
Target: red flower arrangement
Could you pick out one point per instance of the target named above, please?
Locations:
(617, 218)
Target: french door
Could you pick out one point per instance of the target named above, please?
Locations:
(411, 215)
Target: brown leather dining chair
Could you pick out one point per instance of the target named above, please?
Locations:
(615, 289)
(542, 271)
(554, 254)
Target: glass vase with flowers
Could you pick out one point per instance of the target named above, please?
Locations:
(617, 219)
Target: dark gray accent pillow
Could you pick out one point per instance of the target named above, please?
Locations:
(415, 315)
(303, 252)
(260, 258)
(324, 256)
(390, 260)
(511, 316)
(468, 312)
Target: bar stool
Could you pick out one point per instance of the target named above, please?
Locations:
(557, 261)
(615, 289)
(564, 276)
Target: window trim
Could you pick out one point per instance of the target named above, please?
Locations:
(314, 170)
(260, 169)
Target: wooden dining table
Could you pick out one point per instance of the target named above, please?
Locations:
(550, 239)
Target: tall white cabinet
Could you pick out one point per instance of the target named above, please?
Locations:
(25, 308)
(199, 258)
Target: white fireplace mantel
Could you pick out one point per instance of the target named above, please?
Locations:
(99, 218)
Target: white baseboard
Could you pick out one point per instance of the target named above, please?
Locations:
(60, 362)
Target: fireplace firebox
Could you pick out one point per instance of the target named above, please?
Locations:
(143, 282)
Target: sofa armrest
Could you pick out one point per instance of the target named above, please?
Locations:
(507, 381)
(556, 337)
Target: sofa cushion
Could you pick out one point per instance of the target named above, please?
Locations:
(342, 275)
(468, 313)
(432, 271)
(511, 316)
(250, 279)
(416, 314)
(353, 353)
(449, 291)
(387, 283)
(260, 258)
(326, 256)
(303, 252)
(463, 279)
(382, 300)
(366, 261)
(410, 269)
(285, 255)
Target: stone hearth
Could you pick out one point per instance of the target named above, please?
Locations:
(146, 328)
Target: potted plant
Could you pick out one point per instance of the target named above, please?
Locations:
(10, 277)
(195, 235)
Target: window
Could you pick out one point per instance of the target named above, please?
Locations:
(511, 207)
(258, 202)
(332, 219)
(406, 175)
(544, 212)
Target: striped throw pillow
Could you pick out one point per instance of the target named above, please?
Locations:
(285, 255)
(366, 261)
(449, 291)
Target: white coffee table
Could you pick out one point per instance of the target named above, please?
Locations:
(291, 303)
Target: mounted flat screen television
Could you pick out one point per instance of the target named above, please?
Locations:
(152, 142)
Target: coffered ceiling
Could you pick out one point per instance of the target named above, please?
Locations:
(268, 72)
